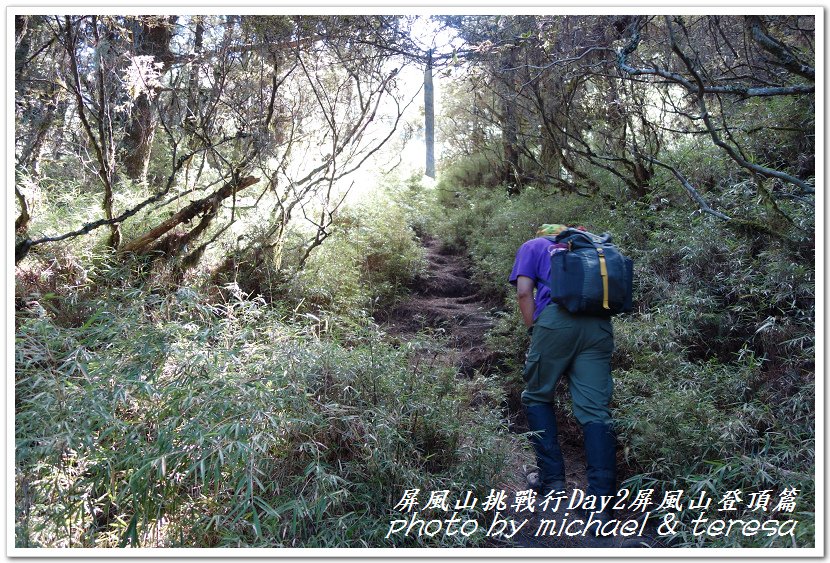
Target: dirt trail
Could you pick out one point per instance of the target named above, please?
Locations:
(447, 302)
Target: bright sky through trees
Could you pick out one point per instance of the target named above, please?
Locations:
(409, 149)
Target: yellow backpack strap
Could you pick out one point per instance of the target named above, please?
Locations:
(603, 270)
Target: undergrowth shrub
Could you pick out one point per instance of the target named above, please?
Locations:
(177, 420)
(368, 259)
(368, 262)
(714, 370)
(470, 171)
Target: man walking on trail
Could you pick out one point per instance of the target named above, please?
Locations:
(577, 346)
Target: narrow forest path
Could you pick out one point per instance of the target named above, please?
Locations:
(448, 302)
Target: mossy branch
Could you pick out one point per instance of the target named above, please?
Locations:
(197, 207)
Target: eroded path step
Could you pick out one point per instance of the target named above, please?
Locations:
(447, 301)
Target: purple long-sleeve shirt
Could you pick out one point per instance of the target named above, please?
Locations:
(533, 261)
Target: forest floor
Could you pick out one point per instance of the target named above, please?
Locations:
(446, 302)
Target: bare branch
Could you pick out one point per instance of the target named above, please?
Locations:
(705, 207)
(743, 91)
(781, 52)
(707, 120)
(23, 247)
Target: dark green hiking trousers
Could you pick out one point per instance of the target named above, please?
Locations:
(579, 347)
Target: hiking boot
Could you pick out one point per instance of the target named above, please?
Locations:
(596, 520)
(604, 541)
(600, 459)
(541, 420)
(534, 481)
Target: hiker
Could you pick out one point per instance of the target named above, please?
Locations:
(562, 343)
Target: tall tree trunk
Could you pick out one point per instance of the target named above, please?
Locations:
(511, 173)
(193, 110)
(429, 119)
(31, 154)
(102, 143)
(152, 39)
(22, 43)
(21, 224)
(551, 156)
(138, 139)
